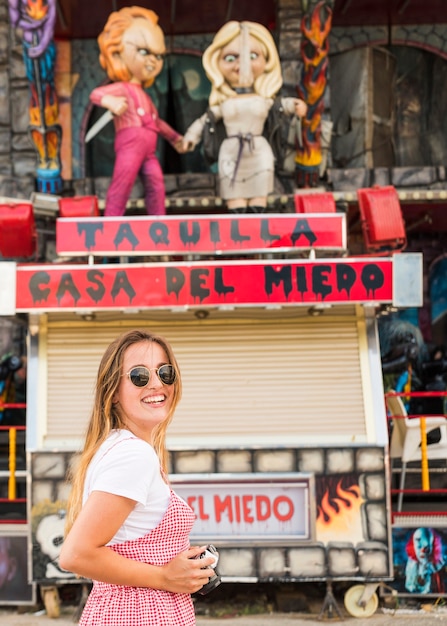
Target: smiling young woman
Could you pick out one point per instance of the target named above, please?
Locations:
(126, 528)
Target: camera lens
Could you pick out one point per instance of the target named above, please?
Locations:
(215, 580)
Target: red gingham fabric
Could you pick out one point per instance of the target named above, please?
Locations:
(118, 605)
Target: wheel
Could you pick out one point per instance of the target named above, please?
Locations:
(50, 597)
(352, 599)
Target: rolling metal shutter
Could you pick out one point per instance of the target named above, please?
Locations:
(250, 378)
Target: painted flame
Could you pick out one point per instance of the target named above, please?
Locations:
(37, 9)
(341, 518)
(315, 29)
(317, 33)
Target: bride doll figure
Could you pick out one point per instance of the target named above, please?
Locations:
(243, 66)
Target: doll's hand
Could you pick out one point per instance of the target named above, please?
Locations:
(116, 104)
(179, 145)
(188, 146)
(300, 107)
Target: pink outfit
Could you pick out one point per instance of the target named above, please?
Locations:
(137, 132)
(119, 605)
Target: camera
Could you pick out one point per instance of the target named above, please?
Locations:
(214, 581)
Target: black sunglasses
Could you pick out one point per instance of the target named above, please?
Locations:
(140, 375)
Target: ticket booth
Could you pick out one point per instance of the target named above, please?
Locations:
(280, 442)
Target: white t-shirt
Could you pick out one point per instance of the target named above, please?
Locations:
(128, 466)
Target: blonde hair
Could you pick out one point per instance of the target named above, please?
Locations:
(106, 416)
(266, 85)
(110, 41)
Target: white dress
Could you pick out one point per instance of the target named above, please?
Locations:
(246, 161)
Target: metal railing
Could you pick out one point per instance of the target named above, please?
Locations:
(12, 473)
(424, 468)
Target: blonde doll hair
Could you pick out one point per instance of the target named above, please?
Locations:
(106, 415)
(266, 85)
(110, 41)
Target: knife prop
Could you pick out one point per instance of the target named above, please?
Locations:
(98, 125)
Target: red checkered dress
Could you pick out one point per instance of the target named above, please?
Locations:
(119, 605)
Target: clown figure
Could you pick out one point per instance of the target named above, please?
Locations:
(425, 560)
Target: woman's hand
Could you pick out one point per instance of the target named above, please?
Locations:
(187, 573)
(86, 553)
(116, 104)
(300, 108)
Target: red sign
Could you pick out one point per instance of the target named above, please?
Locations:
(264, 507)
(210, 284)
(199, 235)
